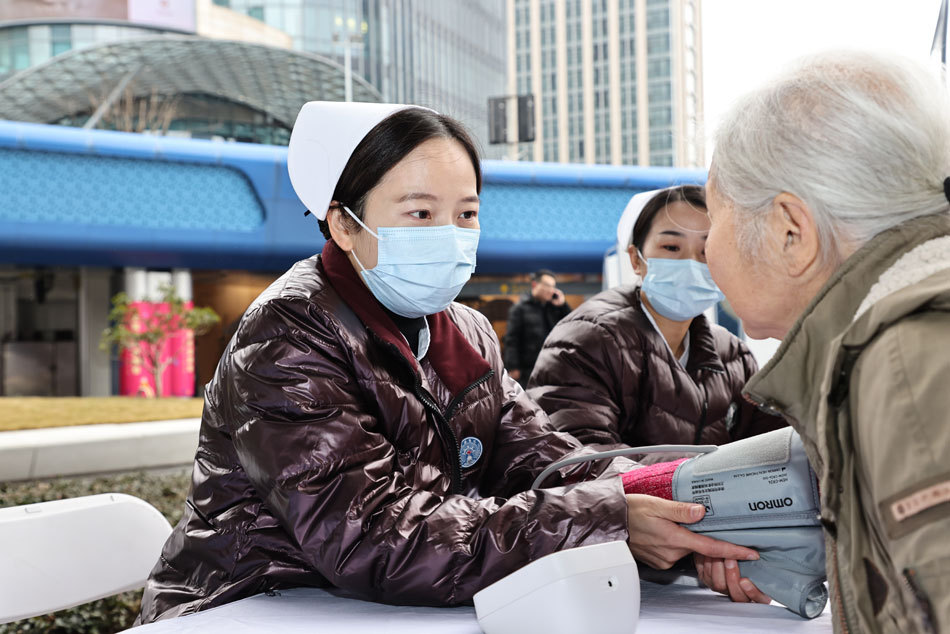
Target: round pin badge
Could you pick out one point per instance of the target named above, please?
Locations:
(470, 450)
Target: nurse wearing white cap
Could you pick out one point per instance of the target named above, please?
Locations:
(361, 430)
(641, 365)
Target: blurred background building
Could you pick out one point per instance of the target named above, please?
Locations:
(200, 69)
(614, 81)
(82, 212)
(185, 68)
(240, 69)
(446, 54)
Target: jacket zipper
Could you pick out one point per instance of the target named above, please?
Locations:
(909, 579)
(450, 410)
(442, 419)
(446, 430)
(702, 418)
(828, 528)
(842, 614)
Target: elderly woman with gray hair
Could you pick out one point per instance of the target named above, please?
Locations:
(829, 201)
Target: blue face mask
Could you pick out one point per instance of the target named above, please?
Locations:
(679, 289)
(419, 270)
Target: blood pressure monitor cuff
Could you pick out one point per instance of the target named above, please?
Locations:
(760, 492)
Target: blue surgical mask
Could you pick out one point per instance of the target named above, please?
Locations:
(419, 270)
(680, 289)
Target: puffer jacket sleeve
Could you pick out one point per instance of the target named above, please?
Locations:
(526, 442)
(513, 337)
(899, 404)
(319, 459)
(584, 383)
(752, 421)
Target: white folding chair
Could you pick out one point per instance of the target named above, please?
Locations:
(55, 555)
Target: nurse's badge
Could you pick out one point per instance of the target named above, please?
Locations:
(470, 450)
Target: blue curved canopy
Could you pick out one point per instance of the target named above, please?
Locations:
(88, 197)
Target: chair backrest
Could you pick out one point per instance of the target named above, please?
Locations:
(55, 555)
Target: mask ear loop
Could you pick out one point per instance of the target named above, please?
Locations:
(370, 231)
(352, 215)
(360, 223)
(642, 259)
(640, 256)
(355, 257)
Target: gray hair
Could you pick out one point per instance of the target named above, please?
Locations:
(862, 138)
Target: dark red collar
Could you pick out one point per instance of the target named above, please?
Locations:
(453, 358)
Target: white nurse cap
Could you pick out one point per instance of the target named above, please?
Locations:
(630, 215)
(324, 137)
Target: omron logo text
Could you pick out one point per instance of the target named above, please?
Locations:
(762, 505)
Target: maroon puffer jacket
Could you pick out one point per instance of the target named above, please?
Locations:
(329, 456)
(606, 375)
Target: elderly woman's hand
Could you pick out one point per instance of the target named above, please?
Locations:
(657, 539)
(722, 575)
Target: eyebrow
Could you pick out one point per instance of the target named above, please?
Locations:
(424, 196)
(677, 234)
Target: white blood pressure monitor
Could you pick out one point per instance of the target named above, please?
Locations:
(591, 588)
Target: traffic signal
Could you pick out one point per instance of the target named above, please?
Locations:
(525, 118)
(497, 120)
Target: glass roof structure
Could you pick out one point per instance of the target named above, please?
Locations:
(274, 81)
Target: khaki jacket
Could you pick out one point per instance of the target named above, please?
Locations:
(864, 376)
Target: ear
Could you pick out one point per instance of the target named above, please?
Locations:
(639, 266)
(338, 227)
(795, 231)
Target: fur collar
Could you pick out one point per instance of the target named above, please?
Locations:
(914, 266)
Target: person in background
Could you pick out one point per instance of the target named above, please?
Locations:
(640, 364)
(829, 195)
(530, 321)
(360, 430)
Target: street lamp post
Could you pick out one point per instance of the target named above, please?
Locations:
(348, 37)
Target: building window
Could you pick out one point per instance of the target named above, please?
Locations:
(223, 3)
(658, 68)
(658, 43)
(256, 12)
(659, 93)
(61, 39)
(14, 50)
(661, 116)
(661, 140)
(658, 19)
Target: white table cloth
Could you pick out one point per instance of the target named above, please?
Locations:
(664, 609)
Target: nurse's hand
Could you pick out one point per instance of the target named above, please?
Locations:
(657, 539)
(722, 575)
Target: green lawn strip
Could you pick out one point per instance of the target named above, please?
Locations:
(39, 412)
